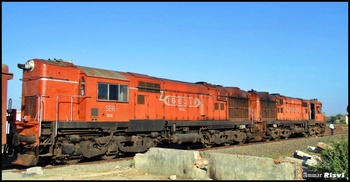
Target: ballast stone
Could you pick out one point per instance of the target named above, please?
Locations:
(33, 170)
(314, 149)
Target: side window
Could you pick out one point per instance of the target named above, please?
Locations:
(113, 92)
(222, 106)
(123, 93)
(82, 86)
(102, 91)
(318, 109)
(216, 106)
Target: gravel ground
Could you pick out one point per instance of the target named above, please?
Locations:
(123, 170)
(275, 149)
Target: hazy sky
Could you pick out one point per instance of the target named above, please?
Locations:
(297, 49)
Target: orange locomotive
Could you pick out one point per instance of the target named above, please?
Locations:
(70, 112)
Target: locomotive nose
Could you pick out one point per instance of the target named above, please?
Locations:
(29, 158)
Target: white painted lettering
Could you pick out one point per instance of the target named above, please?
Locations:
(182, 109)
(179, 100)
(110, 108)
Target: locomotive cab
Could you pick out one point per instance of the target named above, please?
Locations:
(316, 110)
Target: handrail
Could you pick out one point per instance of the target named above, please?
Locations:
(71, 104)
(71, 99)
(40, 110)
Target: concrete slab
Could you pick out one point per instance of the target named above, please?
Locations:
(241, 167)
(314, 149)
(322, 145)
(185, 164)
(301, 154)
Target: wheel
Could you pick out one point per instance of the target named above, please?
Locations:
(240, 138)
(312, 131)
(206, 140)
(285, 133)
(275, 134)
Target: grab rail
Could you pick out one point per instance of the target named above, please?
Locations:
(40, 110)
(71, 104)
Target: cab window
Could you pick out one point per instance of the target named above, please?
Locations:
(113, 92)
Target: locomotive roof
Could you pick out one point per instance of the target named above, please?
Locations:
(102, 73)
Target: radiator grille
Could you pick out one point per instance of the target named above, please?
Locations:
(30, 103)
(238, 108)
(268, 109)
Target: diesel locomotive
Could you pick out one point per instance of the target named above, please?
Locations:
(71, 112)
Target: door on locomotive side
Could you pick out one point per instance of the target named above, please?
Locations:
(281, 104)
(144, 95)
(220, 105)
(146, 106)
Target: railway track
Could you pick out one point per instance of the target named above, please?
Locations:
(339, 130)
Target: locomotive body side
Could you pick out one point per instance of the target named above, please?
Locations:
(72, 112)
(162, 99)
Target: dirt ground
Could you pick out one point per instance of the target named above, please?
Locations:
(121, 170)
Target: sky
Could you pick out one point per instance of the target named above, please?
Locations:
(296, 49)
